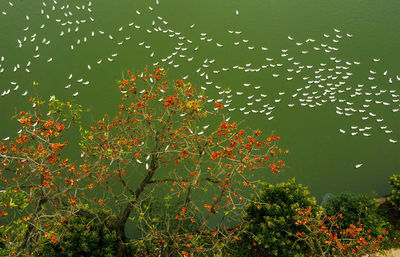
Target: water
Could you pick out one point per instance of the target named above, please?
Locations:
(360, 100)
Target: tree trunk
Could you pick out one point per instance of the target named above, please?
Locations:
(123, 218)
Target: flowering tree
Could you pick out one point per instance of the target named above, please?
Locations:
(168, 161)
(38, 180)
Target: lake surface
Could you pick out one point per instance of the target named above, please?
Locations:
(323, 75)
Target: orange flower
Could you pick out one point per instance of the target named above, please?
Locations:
(100, 201)
(60, 127)
(218, 105)
(73, 200)
(48, 123)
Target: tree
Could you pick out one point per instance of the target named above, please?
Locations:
(33, 168)
(157, 147)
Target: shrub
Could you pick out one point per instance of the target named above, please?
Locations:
(270, 218)
(394, 198)
(80, 236)
(356, 209)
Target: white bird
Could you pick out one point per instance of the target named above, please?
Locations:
(237, 12)
(358, 165)
(75, 94)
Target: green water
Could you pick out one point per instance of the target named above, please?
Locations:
(320, 155)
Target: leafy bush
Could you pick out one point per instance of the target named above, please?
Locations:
(394, 198)
(270, 218)
(356, 209)
(80, 236)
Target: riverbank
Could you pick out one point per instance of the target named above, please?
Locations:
(393, 253)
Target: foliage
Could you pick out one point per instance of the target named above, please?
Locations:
(356, 209)
(394, 198)
(270, 218)
(12, 202)
(326, 236)
(78, 235)
(166, 140)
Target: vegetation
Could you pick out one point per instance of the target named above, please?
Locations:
(356, 209)
(325, 236)
(270, 218)
(171, 165)
(80, 235)
(394, 198)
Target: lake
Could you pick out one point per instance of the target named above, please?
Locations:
(323, 75)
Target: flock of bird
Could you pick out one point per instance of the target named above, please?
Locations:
(312, 73)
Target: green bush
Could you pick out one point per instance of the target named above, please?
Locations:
(81, 236)
(270, 219)
(356, 208)
(394, 198)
